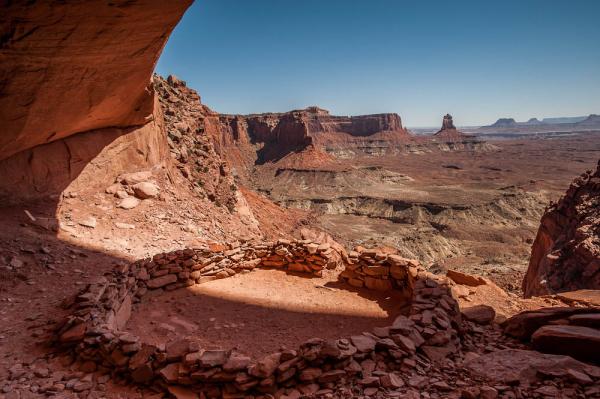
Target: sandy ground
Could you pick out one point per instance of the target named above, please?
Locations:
(261, 311)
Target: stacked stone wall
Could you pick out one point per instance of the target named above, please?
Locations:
(95, 329)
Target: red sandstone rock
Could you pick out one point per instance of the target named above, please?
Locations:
(51, 89)
(161, 281)
(283, 133)
(170, 373)
(75, 333)
(363, 343)
(582, 297)
(265, 367)
(480, 314)
(465, 279)
(566, 252)
(587, 320)
(511, 365)
(524, 324)
(182, 393)
(449, 131)
(579, 342)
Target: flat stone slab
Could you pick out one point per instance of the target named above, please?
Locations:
(524, 366)
(524, 324)
(162, 281)
(590, 297)
(577, 341)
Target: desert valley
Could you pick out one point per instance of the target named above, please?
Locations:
(152, 247)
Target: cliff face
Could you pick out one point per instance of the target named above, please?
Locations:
(76, 66)
(79, 67)
(566, 252)
(90, 159)
(278, 134)
(300, 127)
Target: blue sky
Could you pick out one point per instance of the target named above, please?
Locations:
(478, 60)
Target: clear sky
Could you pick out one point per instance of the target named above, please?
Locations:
(478, 60)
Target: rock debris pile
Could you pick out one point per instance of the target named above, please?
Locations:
(192, 131)
(130, 188)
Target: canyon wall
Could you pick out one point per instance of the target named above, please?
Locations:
(566, 252)
(305, 126)
(88, 160)
(75, 86)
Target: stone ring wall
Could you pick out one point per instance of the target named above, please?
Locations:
(94, 329)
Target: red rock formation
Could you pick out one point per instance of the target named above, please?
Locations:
(566, 252)
(281, 133)
(87, 160)
(196, 141)
(77, 67)
(447, 123)
(449, 131)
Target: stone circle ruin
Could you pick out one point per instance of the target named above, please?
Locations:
(94, 331)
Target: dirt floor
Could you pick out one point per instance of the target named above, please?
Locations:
(259, 312)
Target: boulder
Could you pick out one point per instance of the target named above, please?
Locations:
(586, 319)
(170, 373)
(391, 380)
(124, 313)
(577, 341)
(480, 314)
(524, 324)
(128, 203)
(585, 297)
(76, 333)
(213, 358)
(236, 362)
(89, 222)
(131, 179)
(145, 190)
(177, 349)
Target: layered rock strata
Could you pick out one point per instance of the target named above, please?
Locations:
(78, 66)
(567, 331)
(94, 331)
(281, 133)
(565, 255)
(76, 100)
